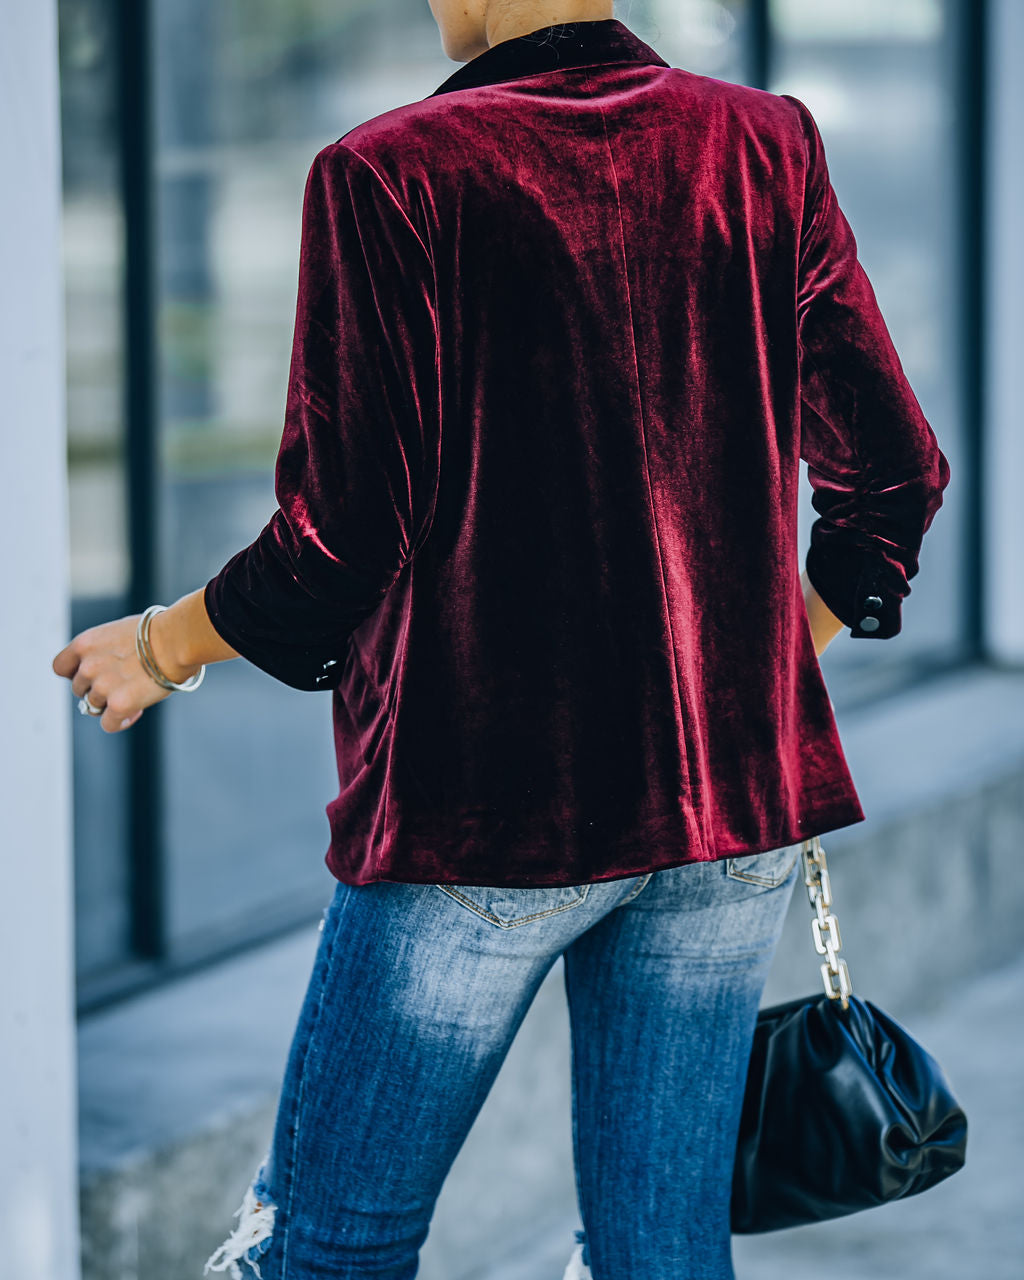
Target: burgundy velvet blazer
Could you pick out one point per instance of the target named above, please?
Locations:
(565, 328)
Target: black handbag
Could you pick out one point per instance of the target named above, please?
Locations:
(843, 1109)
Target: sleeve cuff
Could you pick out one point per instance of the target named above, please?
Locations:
(853, 585)
(310, 668)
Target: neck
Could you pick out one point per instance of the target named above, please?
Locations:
(507, 19)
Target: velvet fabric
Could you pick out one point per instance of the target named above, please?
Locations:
(564, 329)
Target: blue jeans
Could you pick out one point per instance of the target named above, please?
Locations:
(415, 996)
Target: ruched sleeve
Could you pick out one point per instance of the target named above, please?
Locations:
(357, 470)
(874, 463)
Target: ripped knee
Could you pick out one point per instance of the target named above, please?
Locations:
(252, 1237)
(578, 1267)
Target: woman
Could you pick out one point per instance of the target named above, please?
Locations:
(564, 329)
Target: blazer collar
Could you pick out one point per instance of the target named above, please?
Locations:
(553, 48)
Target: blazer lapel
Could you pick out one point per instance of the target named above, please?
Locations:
(553, 48)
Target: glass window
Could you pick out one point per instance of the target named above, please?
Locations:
(93, 246)
(880, 81)
(709, 37)
(247, 93)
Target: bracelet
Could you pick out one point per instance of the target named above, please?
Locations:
(145, 652)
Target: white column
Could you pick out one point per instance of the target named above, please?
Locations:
(39, 1194)
(1003, 503)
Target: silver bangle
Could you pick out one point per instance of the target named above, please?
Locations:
(145, 652)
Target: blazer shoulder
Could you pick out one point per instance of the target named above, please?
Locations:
(389, 153)
(777, 124)
(768, 108)
(399, 140)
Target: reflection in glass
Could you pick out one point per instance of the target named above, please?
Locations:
(879, 80)
(93, 235)
(708, 37)
(247, 94)
(93, 249)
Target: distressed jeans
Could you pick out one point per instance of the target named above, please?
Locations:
(416, 994)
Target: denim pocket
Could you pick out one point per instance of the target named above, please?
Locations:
(768, 869)
(507, 908)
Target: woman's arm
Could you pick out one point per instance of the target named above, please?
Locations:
(102, 661)
(825, 626)
(873, 461)
(183, 638)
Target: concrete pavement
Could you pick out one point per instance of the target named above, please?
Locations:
(970, 1227)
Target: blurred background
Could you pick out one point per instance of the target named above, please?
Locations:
(183, 134)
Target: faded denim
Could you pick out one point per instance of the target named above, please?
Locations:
(416, 994)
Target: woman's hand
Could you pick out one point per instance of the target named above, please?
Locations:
(102, 662)
(825, 626)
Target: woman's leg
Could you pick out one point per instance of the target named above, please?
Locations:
(663, 998)
(415, 996)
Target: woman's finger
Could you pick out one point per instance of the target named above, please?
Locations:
(84, 673)
(113, 718)
(86, 681)
(95, 701)
(103, 664)
(66, 662)
(80, 684)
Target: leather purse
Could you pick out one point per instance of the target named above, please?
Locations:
(843, 1110)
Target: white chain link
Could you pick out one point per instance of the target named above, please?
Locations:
(825, 926)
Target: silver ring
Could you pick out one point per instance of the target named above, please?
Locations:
(86, 707)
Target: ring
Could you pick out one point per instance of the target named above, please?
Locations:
(86, 707)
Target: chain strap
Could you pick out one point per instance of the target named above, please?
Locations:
(825, 926)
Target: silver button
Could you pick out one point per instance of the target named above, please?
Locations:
(873, 602)
(869, 624)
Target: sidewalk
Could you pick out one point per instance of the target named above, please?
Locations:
(970, 1227)
(178, 1098)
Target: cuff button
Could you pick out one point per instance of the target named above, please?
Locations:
(873, 602)
(869, 624)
